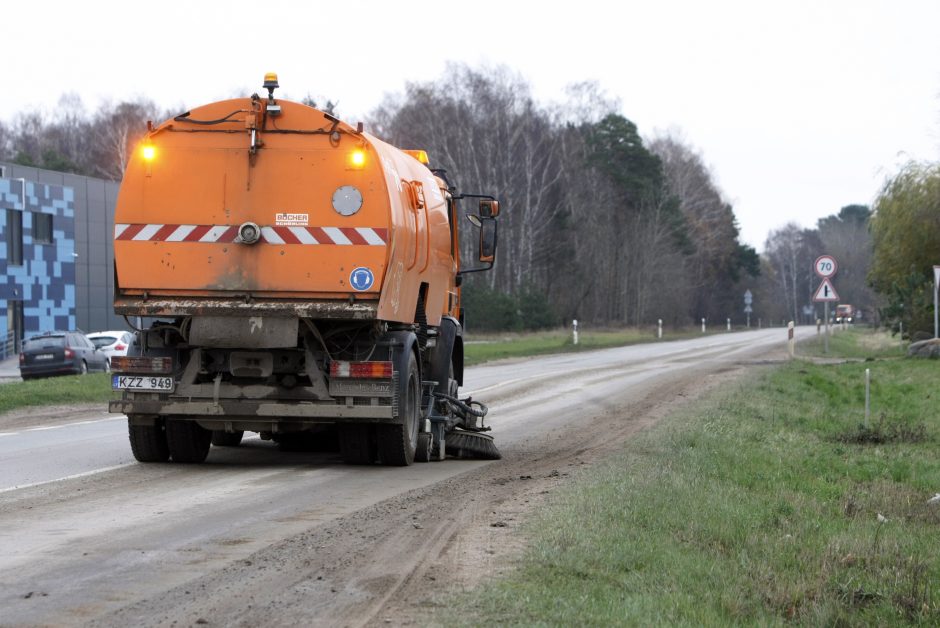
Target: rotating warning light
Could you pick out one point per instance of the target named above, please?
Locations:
(420, 155)
(149, 152)
(270, 81)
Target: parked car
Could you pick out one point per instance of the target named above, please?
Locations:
(60, 353)
(111, 343)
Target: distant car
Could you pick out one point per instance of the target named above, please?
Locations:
(111, 343)
(60, 353)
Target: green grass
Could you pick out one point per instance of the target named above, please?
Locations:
(67, 389)
(759, 506)
(855, 342)
(486, 347)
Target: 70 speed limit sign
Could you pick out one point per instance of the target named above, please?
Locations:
(826, 266)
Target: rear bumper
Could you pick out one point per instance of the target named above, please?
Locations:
(255, 411)
(32, 370)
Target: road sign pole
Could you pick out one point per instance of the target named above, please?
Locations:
(826, 316)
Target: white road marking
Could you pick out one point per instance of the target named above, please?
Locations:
(68, 477)
(56, 427)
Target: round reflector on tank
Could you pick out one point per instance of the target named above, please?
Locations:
(347, 200)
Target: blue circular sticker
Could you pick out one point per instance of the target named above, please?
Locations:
(361, 278)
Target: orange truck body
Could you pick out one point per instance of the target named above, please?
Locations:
(300, 278)
(307, 250)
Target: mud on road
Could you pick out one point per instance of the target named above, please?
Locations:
(396, 562)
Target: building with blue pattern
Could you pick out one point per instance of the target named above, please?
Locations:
(56, 253)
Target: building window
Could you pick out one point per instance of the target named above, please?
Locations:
(42, 228)
(14, 237)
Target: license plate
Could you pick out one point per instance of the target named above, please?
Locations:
(43, 356)
(142, 382)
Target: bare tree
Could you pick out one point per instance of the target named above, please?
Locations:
(786, 254)
(117, 129)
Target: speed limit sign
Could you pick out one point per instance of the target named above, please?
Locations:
(826, 266)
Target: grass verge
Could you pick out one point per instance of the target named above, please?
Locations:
(855, 343)
(760, 506)
(67, 389)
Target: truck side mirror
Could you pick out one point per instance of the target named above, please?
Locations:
(489, 208)
(488, 239)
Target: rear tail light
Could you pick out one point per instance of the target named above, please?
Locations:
(365, 370)
(69, 354)
(120, 347)
(22, 358)
(136, 364)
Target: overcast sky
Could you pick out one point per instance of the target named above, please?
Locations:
(799, 108)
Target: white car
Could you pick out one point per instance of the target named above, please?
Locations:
(111, 343)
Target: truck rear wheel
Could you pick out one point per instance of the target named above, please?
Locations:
(148, 442)
(398, 442)
(188, 442)
(357, 443)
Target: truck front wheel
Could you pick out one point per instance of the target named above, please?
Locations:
(397, 442)
(221, 438)
(187, 441)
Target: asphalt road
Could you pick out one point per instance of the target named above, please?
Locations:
(85, 531)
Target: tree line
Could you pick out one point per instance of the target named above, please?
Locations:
(599, 224)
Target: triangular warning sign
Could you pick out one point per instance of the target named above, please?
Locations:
(825, 291)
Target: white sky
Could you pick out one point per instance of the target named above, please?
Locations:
(798, 107)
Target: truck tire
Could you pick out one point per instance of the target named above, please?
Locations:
(188, 442)
(425, 449)
(148, 442)
(221, 438)
(357, 443)
(398, 442)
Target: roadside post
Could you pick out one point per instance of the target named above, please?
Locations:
(791, 341)
(867, 397)
(729, 324)
(825, 267)
(936, 287)
(748, 299)
(703, 325)
(574, 328)
(659, 329)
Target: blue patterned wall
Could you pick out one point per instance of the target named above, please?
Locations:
(45, 282)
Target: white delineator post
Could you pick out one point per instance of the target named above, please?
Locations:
(574, 331)
(936, 287)
(703, 325)
(867, 396)
(729, 324)
(659, 329)
(791, 341)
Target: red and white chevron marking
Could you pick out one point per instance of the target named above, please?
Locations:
(226, 234)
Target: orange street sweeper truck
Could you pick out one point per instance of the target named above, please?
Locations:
(299, 278)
